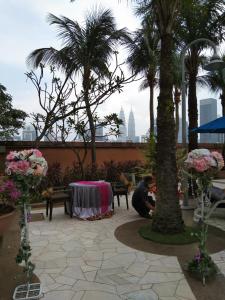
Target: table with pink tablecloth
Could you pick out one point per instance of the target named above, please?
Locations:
(91, 199)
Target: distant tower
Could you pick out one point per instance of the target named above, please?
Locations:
(208, 112)
(122, 128)
(29, 133)
(99, 137)
(131, 127)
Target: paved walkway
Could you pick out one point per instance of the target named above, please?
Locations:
(83, 260)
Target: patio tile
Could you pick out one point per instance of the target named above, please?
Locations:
(96, 295)
(165, 289)
(183, 290)
(46, 279)
(165, 269)
(51, 287)
(94, 263)
(138, 269)
(82, 285)
(62, 295)
(65, 280)
(110, 271)
(74, 272)
(78, 295)
(86, 268)
(156, 277)
(92, 255)
(126, 288)
(51, 255)
(142, 295)
(90, 276)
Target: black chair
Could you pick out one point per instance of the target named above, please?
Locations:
(59, 195)
(119, 189)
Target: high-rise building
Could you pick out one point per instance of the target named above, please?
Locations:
(131, 127)
(17, 138)
(122, 128)
(29, 133)
(208, 112)
(99, 137)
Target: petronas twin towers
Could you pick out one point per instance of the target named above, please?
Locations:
(127, 135)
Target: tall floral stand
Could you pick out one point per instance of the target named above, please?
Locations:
(26, 168)
(31, 291)
(202, 166)
(202, 266)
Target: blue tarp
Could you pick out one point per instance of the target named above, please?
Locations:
(215, 126)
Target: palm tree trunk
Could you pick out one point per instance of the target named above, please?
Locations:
(86, 86)
(192, 111)
(167, 217)
(151, 106)
(222, 98)
(177, 101)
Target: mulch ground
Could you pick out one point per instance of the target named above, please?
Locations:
(214, 290)
(11, 275)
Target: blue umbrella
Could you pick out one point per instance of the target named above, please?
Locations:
(215, 126)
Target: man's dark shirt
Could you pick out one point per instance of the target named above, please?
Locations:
(140, 196)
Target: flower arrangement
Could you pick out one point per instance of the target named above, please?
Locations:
(202, 165)
(25, 170)
(26, 163)
(202, 160)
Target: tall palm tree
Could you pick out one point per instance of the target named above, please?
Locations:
(86, 52)
(177, 81)
(199, 19)
(167, 217)
(216, 82)
(144, 59)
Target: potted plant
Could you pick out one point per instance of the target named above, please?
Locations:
(9, 194)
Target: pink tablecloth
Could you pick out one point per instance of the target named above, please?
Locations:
(105, 192)
(91, 198)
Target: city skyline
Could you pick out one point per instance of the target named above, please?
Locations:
(20, 40)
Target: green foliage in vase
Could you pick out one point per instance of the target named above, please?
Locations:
(202, 265)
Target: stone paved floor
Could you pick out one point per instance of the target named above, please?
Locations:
(82, 260)
(218, 220)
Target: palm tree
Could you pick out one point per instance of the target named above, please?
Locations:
(216, 82)
(86, 52)
(199, 19)
(144, 59)
(177, 81)
(167, 217)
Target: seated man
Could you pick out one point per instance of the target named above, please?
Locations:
(141, 202)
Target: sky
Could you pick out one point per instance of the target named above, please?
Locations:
(24, 28)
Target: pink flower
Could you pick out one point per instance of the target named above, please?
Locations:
(15, 194)
(200, 165)
(11, 155)
(218, 158)
(37, 152)
(19, 167)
